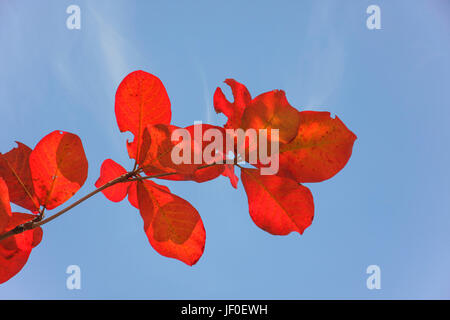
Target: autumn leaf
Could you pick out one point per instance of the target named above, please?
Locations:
(233, 110)
(156, 147)
(156, 154)
(200, 172)
(15, 250)
(322, 147)
(5, 207)
(132, 194)
(172, 225)
(277, 205)
(15, 170)
(271, 110)
(111, 170)
(229, 172)
(141, 100)
(58, 167)
(267, 111)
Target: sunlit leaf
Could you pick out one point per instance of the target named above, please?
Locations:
(15, 250)
(322, 147)
(58, 167)
(15, 170)
(141, 100)
(156, 155)
(229, 172)
(271, 110)
(277, 205)
(109, 171)
(173, 226)
(5, 207)
(233, 110)
(132, 195)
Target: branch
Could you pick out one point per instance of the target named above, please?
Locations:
(38, 222)
(127, 177)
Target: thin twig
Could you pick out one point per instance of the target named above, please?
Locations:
(139, 178)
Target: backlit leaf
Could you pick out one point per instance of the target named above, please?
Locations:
(156, 155)
(322, 147)
(111, 170)
(15, 170)
(132, 194)
(229, 172)
(233, 110)
(15, 250)
(141, 100)
(5, 207)
(271, 110)
(172, 225)
(59, 168)
(277, 205)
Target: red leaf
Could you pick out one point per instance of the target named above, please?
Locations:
(15, 170)
(141, 100)
(321, 148)
(229, 172)
(5, 207)
(233, 110)
(59, 168)
(208, 173)
(277, 205)
(156, 148)
(15, 250)
(271, 110)
(173, 226)
(132, 194)
(156, 155)
(109, 171)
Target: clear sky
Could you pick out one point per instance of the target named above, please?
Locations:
(390, 206)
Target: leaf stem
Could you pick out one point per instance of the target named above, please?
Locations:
(167, 173)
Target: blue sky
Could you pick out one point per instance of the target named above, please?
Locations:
(390, 206)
